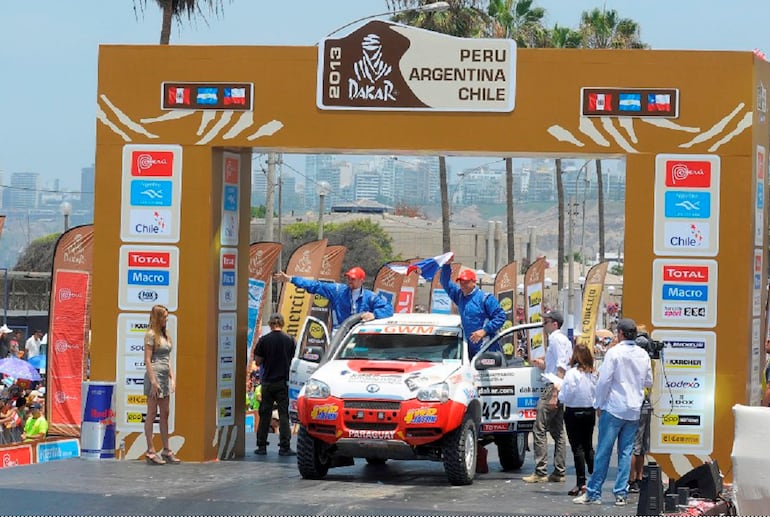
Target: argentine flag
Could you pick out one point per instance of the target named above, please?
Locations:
(630, 102)
(206, 95)
(427, 267)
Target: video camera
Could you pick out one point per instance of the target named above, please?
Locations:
(652, 346)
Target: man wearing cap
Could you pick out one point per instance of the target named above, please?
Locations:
(480, 312)
(625, 371)
(550, 412)
(4, 344)
(34, 343)
(36, 426)
(346, 299)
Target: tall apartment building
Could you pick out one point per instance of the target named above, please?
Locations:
(23, 191)
(87, 181)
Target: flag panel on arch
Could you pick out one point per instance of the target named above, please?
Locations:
(658, 102)
(178, 96)
(600, 102)
(235, 96)
(207, 95)
(630, 102)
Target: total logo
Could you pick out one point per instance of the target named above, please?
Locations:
(682, 235)
(152, 163)
(685, 273)
(149, 259)
(688, 173)
(228, 261)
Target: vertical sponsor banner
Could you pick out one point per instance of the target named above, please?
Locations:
(684, 393)
(533, 306)
(151, 197)
(2, 223)
(130, 402)
(262, 258)
(759, 193)
(294, 303)
(228, 235)
(331, 269)
(69, 316)
(439, 299)
(226, 368)
(505, 292)
(756, 284)
(592, 302)
(228, 279)
(388, 283)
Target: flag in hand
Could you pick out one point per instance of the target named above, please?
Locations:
(427, 267)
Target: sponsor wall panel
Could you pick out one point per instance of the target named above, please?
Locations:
(686, 205)
(149, 275)
(151, 197)
(683, 393)
(684, 293)
(130, 401)
(226, 368)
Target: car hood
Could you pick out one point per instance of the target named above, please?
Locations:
(398, 380)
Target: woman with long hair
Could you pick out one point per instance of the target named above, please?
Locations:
(159, 384)
(577, 393)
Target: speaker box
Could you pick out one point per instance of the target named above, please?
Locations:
(651, 501)
(704, 482)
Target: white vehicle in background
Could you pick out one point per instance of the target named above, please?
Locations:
(404, 387)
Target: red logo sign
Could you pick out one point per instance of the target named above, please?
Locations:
(148, 259)
(228, 261)
(15, 456)
(686, 173)
(231, 171)
(685, 273)
(152, 163)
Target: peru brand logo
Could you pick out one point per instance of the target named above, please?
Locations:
(152, 163)
(686, 173)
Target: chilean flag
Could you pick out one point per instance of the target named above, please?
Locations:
(658, 102)
(427, 267)
(235, 96)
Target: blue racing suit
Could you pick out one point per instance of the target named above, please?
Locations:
(339, 295)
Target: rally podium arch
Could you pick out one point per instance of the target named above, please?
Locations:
(175, 129)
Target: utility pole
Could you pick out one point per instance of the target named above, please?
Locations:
(271, 161)
(570, 273)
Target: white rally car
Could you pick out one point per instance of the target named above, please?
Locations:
(404, 387)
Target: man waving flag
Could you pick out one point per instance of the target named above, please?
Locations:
(427, 267)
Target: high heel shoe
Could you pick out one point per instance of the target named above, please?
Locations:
(152, 458)
(577, 490)
(169, 456)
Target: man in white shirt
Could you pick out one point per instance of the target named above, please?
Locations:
(625, 371)
(550, 412)
(33, 344)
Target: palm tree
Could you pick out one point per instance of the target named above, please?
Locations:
(178, 9)
(463, 19)
(601, 28)
(517, 20)
(564, 37)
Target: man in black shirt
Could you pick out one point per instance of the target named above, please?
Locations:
(273, 353)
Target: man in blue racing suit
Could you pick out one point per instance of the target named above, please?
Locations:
(346, 299)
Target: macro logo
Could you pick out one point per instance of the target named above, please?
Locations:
(685, 273)
(686, 235)
(688, 174)
(152, 163)
(684, 292)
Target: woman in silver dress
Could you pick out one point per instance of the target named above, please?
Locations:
(159, 384)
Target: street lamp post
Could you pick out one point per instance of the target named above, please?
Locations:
(66, 210)
(322, 188)
(434, 7)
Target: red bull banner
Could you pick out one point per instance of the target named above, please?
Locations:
(69, 314)
(534, 279)
(262, 259)
(592, 303)
(388, 283)
(505, 292)
(294, 303)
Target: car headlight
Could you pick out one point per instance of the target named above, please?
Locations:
(434, 393)
(315, 389)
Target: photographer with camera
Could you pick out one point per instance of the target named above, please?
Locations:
(642, 438)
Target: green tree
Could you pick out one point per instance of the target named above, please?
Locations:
(463, 19)
(564, 37)
(179, 9)
(38, 256)
(369, 245)
(517, 20)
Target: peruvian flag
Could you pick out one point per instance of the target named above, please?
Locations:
(599, 102)
(659, 102)
(427, 267)
(177, 95)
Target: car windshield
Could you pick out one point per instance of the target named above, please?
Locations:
(402, 347)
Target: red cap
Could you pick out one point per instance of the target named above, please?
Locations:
(467, 274)
(356, 273)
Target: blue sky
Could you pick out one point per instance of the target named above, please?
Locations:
(48, 54)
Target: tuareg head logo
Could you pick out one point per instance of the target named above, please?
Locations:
(371, 72)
